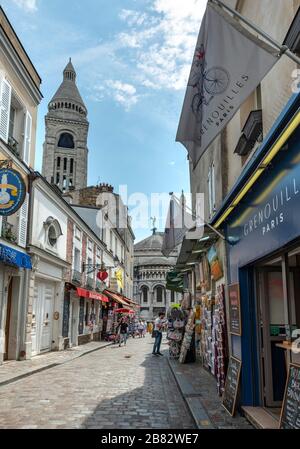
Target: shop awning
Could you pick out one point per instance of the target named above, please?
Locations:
(98, 296)
(191, 249)
(82, 292)
(117, 297)
(131, 302)
(175, 281)
(11, 256)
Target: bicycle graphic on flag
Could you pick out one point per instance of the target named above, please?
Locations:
(208, 83)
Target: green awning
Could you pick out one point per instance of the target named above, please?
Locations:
(175, 281)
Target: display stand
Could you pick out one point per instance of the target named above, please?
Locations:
(188, 337)
(176, 322)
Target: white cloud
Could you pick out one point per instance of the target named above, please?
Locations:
(164, 39)
(123, 93)
(28, 5)
(154, 50)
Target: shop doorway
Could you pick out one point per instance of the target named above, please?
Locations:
(278, 295)
(8, 319)
(42, 311)
(272, 333)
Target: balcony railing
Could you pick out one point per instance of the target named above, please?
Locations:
(13, 145)
(76, 276)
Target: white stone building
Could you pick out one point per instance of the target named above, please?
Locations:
(150, 271)
(19, 99)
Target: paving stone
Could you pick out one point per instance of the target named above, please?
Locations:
(102, 390)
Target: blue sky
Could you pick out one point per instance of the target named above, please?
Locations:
(132, 59)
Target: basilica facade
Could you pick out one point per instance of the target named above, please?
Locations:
(150, 273)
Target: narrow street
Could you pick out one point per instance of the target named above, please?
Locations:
(110, 388)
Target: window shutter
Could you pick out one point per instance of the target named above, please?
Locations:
(27, 138)
(5, 98)
(23, 216)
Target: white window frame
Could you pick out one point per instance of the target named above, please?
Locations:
(78, 233)
(80, 255)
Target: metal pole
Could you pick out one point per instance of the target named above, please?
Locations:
(283, 48)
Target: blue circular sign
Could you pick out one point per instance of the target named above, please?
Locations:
(12, 191)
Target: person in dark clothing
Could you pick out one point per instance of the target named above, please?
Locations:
(122, 329)
(158, 328)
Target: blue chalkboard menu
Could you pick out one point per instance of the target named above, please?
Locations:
(66, 315)
(290, 412)
(231, 385)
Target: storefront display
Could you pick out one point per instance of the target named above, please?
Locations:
(261, 225)
(176, 322)
(213, 346)
(188, 337)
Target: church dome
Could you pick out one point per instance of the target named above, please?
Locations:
(153, 242)
(67, 97)
(149, 251)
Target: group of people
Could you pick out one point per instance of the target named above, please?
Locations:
(141, 327)
(125, 328)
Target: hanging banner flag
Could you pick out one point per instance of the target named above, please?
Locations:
(119, 278)
(229, 63)
(179, 221)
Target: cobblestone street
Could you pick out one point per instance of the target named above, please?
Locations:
(111, 388)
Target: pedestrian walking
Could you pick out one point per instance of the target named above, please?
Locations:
(158, 327)
(141, 328)
(122, 328)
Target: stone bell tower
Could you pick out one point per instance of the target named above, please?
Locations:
(65, 148)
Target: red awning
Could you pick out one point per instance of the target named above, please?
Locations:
(83, 292)
(99, 296)
(131, 302)
(117, 297)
